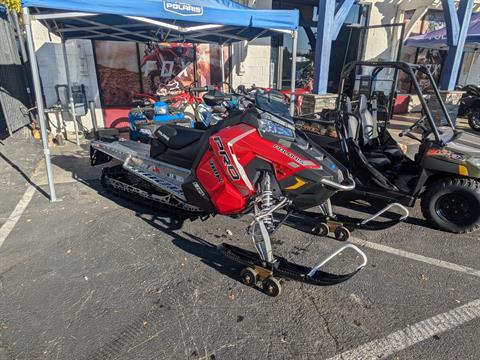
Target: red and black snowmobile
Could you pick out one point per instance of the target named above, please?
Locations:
(254, 162)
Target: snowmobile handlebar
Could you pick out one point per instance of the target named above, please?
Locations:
(198, 89)
(343, 187)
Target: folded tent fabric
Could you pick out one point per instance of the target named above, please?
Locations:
(437, 39)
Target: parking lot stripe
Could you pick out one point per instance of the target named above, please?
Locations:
(409, 255)
(12, 220)
(413, 334)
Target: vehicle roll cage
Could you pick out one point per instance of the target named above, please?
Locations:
(410, 70)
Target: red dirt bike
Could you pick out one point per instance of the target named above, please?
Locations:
(177, 102)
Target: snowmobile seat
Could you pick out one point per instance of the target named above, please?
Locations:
(177, 137)
(176, 145)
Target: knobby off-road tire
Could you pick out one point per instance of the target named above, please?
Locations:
(453, 204)
(474, 120)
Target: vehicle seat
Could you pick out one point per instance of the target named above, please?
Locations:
(370, 140)
(352, 124)
(177, 137)
(176, 145)
(214, 97)
(369, 124)
(378, 160)
(393, 152)
(369, 136)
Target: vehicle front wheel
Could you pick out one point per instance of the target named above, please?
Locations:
(453, 204)
(474, 120)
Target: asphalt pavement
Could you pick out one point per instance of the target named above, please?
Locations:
(95, 276)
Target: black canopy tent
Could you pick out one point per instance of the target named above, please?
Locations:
(200, 21)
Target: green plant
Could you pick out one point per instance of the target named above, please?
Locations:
(14, 5)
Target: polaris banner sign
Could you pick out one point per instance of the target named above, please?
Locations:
(183, 9)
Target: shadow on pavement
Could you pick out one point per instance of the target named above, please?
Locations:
(23, 174)
(353, 208)
(161, 219)
(365, 207)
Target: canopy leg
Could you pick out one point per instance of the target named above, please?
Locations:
(69, 92)
(222, 63)
(294, 71)
(38, 97)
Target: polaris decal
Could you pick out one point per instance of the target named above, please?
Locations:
(226, 159)
(445, 153)
(215, 171)
(295, 157)
(183, 9)
(163, 135)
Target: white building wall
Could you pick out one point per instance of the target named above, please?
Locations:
(52, 69)
(381, 43)
(251, 62)
(470, 72)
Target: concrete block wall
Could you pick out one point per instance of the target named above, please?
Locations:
(251, 63)
(313, 103)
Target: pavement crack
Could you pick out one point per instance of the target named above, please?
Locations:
(327, 324)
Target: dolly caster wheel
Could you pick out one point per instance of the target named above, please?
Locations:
(249, 276)
(321, 229)
(272, 287)
(342, 234)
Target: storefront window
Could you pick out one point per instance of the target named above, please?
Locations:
(305, 57)
(125, 69)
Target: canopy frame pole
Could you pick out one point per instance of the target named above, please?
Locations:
(222, 64)
(323, 47)
(294, 71)
(40, 107)
(195, 65)
(70, 92)
(451, 67)
(67, 15)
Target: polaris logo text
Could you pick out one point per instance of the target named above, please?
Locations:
(295, 157)
(226, 159)
(183, 9)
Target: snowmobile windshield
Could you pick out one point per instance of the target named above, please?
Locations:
(275, 119)
(273, 102)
